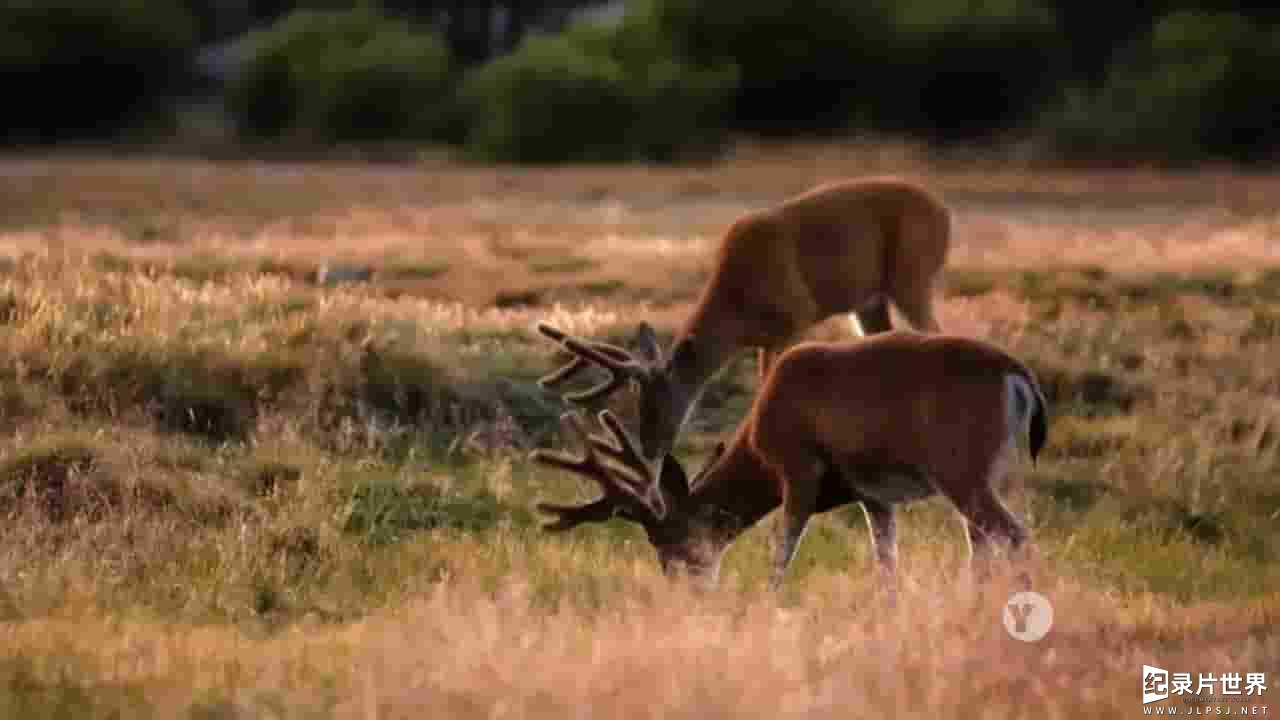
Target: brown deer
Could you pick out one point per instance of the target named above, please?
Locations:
(890, 419)
(843, 247)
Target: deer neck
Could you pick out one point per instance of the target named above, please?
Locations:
(701, 348)
(735, 494)
(698, 355)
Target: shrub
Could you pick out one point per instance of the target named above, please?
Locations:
(963, 69)
(549, 101)
(197, 393)
(597, 93)
(802, 65)
(65, 479)
(679, 107)
(88, 70)
(348, 75)
(1191, 86)
(57, 480)
(951, 66)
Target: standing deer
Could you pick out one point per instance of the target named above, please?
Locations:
(844, 247)
(891, 419)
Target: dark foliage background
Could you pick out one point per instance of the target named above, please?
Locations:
(656, 80)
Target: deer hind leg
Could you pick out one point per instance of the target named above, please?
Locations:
(856, 325)
(915, 299)
(884, 543)
(988, 523)
(765, 358)
(884, 536)
(871, 319)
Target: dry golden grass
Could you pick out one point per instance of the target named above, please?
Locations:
(459, 651)
(314, 502)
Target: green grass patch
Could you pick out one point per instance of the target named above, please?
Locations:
(1089, 392)
(601, 288)
(27, 693)
(1159, 287)
(507, 299)
(198, 268)
(1264, 325)
(72, 478)
(571, 264)
(1096, 288)
(1080, 437)
(113, 263)
(1266, 285)
(21, 401)
(268, 478)
(1086, 286)
(196, 392)
(969, 282)
(58, 480)
(381, 507)
(415, 271)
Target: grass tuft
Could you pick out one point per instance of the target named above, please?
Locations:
(268, 478)
(1090, 392)
(568, 264)
(59, 481)
(415, 271)
(381, 507)
(25, 692)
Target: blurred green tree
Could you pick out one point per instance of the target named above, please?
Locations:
(77, 70)
(1194, 84)
(346, 75)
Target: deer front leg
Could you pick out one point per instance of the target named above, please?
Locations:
(988, 520)
(764, 361)
(799, 502)
(884, 538)
(884, 543)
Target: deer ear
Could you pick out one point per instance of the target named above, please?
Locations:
(673, 480)
(684, 354)
(647, 343)
(716, 453)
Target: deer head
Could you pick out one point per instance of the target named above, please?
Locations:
(668, 386)
(663, 507)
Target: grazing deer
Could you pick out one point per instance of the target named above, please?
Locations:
(844, 247)
(891, 419)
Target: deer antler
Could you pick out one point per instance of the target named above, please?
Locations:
(628, 490)
(620, 364)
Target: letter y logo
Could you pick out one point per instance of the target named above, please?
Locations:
(1028, 616)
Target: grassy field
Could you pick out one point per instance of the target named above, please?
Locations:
(226, 492)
